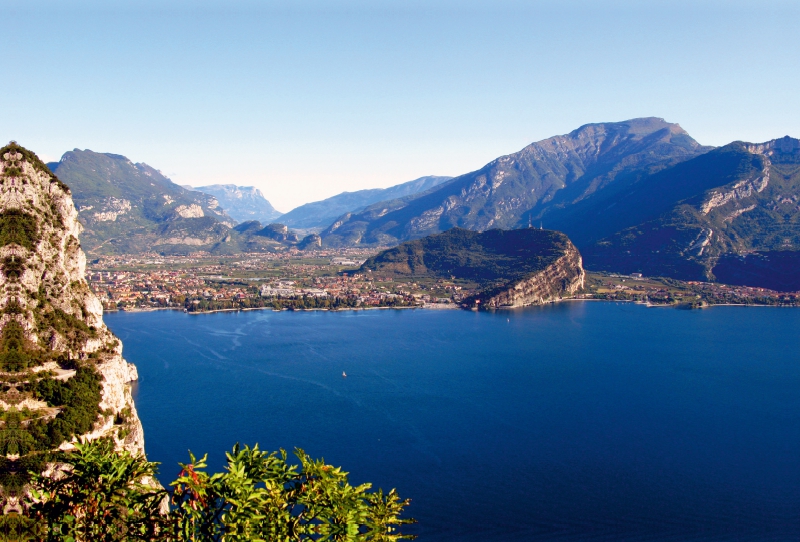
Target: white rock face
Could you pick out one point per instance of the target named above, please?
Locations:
(192, 241)
(560, 279)
(740, 191)
(43, 290)
(189, 211)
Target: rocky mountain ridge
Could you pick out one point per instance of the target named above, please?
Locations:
(522, 188)
(129, 207)
(731, 215)
(63, 373)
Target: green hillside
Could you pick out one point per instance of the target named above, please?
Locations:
(489, 258)
(128, 208)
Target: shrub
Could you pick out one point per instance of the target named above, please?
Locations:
(106, 495)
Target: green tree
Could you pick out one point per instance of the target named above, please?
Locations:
(102, 494)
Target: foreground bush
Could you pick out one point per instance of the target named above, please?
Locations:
(104, 495)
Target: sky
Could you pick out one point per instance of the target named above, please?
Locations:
(308, 98)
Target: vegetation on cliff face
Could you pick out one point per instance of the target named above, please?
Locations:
(55, 352)
(19, 228)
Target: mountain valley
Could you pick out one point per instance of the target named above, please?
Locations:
(638, 196)
(320, 214)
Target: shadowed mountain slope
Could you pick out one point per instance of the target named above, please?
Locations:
(732, 215)
(542, 178)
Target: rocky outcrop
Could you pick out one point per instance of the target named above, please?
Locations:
(310, 242)
(64, 377)
(511, 268)
(558, 280)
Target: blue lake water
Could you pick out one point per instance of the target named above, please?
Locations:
(574, 421)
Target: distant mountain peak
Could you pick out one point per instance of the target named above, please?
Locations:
(592, 140)
(243, 203)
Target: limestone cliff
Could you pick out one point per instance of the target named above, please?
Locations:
(64, 377)
(511, 268)
(560, 279)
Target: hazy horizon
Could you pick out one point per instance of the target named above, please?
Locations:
(305, 100)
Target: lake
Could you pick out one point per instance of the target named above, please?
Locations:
(572, 421)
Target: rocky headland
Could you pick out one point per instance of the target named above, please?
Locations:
(512, 268)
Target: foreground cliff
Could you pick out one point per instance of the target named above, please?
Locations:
(62, 371)
(511, 268)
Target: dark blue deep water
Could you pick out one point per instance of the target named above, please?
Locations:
(575, 421)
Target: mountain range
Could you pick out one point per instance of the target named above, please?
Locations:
(515, 189)
(320, 214)
(635, 196)
(128, 207)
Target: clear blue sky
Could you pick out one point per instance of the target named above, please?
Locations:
(308, 98)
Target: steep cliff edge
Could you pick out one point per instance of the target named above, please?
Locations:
(512, 268)
(62, 372)
(560, 279)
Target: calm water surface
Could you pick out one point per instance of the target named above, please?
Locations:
(575, 421)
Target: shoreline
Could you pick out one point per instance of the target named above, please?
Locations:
(154, 309)
(453, 306)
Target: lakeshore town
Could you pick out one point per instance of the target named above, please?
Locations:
(330, 279)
